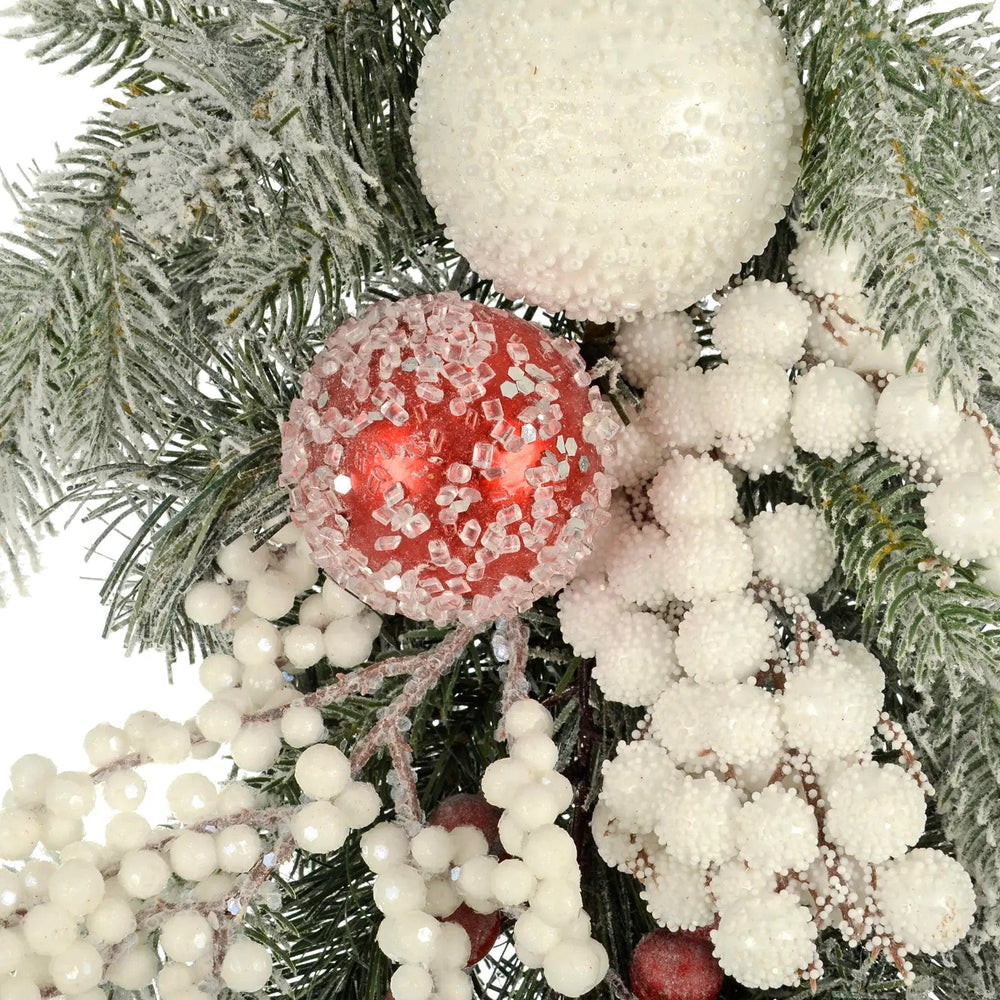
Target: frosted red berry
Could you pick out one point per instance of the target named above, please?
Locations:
(445, 459)
(482, 928)
(675, 965)
(464, 809)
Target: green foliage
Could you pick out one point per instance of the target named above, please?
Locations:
(173, 276)
(324, 934)
(257, 173)
(901, 153)
(939, 631)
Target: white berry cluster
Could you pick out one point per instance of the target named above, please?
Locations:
(694, 563)
(949, 450)
(750, 796)
(166, 903)
(263, 584)
(257, 585)
(553, 931)
(422, 880)
(774, 851)
(850, 389)
(419, 883)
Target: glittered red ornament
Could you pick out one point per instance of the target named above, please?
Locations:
(445, 459)
(675, 965)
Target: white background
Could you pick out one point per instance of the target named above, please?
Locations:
(59, 677)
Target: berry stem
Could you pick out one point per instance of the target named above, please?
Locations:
(425, 670)
(515, 684)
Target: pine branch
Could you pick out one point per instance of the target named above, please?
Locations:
(258, 176)
(902, 154)
(24, 482)
(102, 32)
(86, 373)
(215, 480)
(939, 630)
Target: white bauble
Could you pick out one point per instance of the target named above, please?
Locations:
(833, 412)
(793, 547)
(823, 270)
(963, 517)
(777, 832)
(926, 900)
(913, 421)
(652, 346)
(874, 813)
(762, 320)
(573, 968)
(677, 896)
(765, 941)
(607, 165)
(246, 967)
(697, 824)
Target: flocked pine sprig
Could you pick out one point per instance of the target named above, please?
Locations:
(901, 154)
(938, 628)
(103, 33)
(86, 374)
(214, 481)
(256, 173)
(924, 610)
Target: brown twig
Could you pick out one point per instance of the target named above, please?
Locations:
(806, 623)
(895, 736)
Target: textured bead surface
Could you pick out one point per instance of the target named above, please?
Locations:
(793, 547)
(833, 412)
(690, 126)
(763, 320)
(650, 346)
(926, 899)
(669, 966)
(765, 941)
(874, 813)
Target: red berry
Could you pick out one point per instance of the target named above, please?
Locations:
(463, 809)
(675, 965)
(482, 928)
(705, 933)
(445, 459)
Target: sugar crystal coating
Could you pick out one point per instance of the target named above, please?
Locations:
(677, 186)
(445, 459)
(793, 547)
(833, 412)
(651, 346)
(823, 270)
(910, 421)
(677, 896)
(963, 517)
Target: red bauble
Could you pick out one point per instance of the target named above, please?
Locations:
(445, 459)
(463, 809)
(675, 965)
(483, 930)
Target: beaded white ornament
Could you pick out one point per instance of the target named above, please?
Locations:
(672, 195)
